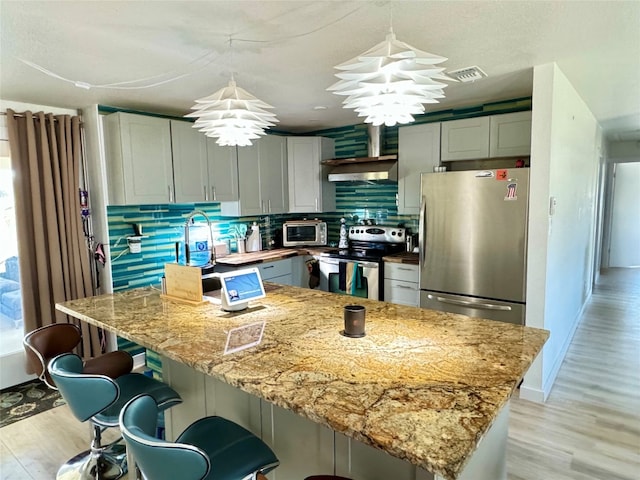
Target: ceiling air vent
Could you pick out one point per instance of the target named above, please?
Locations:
(468, 74)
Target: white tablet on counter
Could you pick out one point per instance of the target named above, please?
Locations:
(239, 288)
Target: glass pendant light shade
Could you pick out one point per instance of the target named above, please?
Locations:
(232, 115)
(390, 82)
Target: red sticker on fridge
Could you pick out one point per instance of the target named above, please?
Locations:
(511, 192)
(501, 174)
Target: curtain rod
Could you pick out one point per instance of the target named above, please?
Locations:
(21, 115)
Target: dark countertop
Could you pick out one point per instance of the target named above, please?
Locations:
(263, 256)
(408, 258)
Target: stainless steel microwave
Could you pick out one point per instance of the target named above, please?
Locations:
(304, 233)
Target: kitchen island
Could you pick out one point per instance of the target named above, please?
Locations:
(428, 388)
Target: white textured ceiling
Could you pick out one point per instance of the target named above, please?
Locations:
(284, 52)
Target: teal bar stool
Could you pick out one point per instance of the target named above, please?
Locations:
(210, 448)
(99, 399)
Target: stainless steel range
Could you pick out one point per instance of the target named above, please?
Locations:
(358, 270)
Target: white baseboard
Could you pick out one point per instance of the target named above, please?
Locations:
(532, 394)
(13, 366)
(539, 395)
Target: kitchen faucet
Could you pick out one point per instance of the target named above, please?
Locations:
(186, 237)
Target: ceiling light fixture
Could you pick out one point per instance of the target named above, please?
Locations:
(232, 115)
(390, 82)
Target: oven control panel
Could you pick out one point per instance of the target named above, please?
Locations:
(376, 233)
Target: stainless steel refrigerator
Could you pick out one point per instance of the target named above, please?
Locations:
(473, 243)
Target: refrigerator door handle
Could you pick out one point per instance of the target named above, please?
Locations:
(466, 303)
(423, 233)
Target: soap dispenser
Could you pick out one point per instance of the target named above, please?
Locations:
(254, 242)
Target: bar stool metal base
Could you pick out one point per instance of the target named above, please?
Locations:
(108, 464)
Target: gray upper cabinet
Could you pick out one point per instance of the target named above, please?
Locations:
(222, 163)
(262, 179)
(189, 147)
(203, 170)
(465, 139)
(309, 189)
(510, 135)
(138, 159)
(157, 160)
(418, 152)
(505, 135)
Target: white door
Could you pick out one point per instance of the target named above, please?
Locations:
(12, 356)
(624, 248)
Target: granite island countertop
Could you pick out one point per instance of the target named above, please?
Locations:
(422, 385)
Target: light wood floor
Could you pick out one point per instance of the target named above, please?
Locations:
(589, 429)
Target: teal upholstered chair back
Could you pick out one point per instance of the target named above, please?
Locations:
(86, 395)
(158, 459)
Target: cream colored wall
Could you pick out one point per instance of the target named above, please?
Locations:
(561, 248)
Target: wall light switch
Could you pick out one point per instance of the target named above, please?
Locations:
(552, 206)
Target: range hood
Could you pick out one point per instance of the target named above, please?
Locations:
(374, 168)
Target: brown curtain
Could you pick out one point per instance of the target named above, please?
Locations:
(54, 261)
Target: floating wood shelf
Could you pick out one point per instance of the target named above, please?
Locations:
(342, 161)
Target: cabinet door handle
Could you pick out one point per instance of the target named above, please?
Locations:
(213, 193)
(267, 266)
(406, 269)
(423, 230)
(316, 204)
(170, 193)
(262, 206)
(404, 287)
(269, 203)
(206, 193)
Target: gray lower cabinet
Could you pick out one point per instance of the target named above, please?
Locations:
(401, 284)
(278, 271)
(307, 448)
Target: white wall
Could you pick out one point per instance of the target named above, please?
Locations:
(564, 165)
(619, 152)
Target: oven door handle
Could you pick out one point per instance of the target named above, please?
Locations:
(329, 261)
(335, 261)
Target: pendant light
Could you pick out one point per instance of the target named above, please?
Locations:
(390, 82)
(232, 115)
